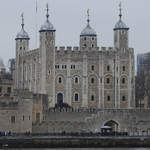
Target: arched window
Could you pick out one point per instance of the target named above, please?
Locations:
(92, 80)
(92, 98)
(123, 80)
(108, 98)
(108, 68)
(123, 68)
(59, 80)
(108, 80)
(123, 98)
(92, 45)
(92, 67)
(76, 80)
(85, 38)
(76, 97)
(84, 45)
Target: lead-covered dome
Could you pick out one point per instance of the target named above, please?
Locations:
(23, 35)
(47, 26)
(120, 25)
(88, 31)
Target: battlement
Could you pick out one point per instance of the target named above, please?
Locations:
(68, 48)
(107, 48)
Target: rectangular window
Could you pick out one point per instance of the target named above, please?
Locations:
(23, 118)
(92, 67)
(9, 90)
(108, 68)
(13, 120)
(108, 98)
(72, 66)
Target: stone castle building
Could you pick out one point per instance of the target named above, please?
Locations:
(97, 83)
(84, 76)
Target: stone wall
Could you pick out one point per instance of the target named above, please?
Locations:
(16, 117)
(92, 120)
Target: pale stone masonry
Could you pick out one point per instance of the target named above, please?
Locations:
(84, 76)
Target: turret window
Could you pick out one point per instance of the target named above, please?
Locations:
(84, 45)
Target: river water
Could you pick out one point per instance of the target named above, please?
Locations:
(82, 149)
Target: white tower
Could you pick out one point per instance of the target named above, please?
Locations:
(47, 56)
(88, 37)
(121, 38)
(22, 45)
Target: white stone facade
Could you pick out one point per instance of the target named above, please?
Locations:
(84, 76)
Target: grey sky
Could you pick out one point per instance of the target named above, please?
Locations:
(69, 18)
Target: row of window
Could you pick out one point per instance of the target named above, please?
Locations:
(76, 80)
(13, 119)
(76, 97)
(123, 81)
(109, 98)
(86, 38)
(123, 68)
(85, 45)
(92, 67)
(22, 48)
(64, 67)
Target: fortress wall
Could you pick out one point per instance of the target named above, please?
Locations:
(16, 117)
(128, 120)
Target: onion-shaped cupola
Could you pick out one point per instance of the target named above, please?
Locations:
(121, 32)
(88, 37)
(22, 35)
(47, 26)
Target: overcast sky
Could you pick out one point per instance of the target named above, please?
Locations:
(69, 18)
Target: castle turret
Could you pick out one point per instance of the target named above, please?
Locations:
(88, 37)
(121, 39)
(22, 45)
(47, 56)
